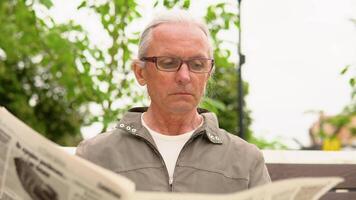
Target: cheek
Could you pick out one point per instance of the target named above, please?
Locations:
(158, 86)
(203, 83)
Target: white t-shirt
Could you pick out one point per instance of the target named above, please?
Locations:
(169, 146)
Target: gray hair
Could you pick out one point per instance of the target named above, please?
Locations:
(170, 16)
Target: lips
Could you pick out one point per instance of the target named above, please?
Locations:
(182, 94)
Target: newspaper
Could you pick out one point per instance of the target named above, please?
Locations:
(289, 189)
(34, 168)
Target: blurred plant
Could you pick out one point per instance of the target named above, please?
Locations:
(112, 65)
(222, 90)
(221, 17)
(351, 70)
(50, 74)
(331, 132)
(263, 143)
(38, 81)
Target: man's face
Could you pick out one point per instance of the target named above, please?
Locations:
(179, 91)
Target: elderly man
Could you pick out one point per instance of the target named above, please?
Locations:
(173, 145)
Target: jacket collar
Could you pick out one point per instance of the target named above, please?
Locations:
(131, 123)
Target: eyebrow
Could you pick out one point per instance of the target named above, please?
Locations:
(191, 57)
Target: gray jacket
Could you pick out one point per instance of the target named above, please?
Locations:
(212, 161)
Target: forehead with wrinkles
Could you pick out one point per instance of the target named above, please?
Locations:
(179, 38)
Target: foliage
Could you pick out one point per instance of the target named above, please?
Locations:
(345, 118)
(351, 108)
(38, 81)
(50, 75)
(351, 70)
(112, 65)
(265, 144)
(223, 87)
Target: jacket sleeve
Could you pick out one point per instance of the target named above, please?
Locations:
(259, 173)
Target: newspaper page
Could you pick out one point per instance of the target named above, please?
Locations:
(33, 168)
(289, 189)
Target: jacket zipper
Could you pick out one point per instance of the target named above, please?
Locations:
(184, 146)
(161, 158)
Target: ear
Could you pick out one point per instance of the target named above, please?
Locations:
(211, 73)
(139, 70)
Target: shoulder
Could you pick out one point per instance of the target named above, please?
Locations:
(248, 157)
(232, 144)
(89, 148)
(240, 147)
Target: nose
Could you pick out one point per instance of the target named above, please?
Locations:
(183, 74)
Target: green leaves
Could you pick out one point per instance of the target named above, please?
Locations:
(352, 81)
(110, 73)
(47, 3)
(345, 69)
(223, 86)
(170, 3)
(82, 5)
(40, 81)
(345, 118)
(213, 105)
(184, 4)
(222, 89)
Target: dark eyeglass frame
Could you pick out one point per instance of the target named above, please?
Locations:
(154, 59)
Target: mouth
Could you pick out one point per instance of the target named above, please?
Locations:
(182, 93)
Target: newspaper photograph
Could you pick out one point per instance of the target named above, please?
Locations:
(34, 168)
(29, 177)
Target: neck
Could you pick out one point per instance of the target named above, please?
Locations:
(172, 123)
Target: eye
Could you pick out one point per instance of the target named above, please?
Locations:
(197, 64)
(167, 62)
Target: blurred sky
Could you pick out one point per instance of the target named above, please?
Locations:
(295, 50)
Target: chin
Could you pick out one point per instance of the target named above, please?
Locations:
(182, 108)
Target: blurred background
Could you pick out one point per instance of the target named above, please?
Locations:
(65, 67)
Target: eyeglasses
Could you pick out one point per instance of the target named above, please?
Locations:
(173, 64)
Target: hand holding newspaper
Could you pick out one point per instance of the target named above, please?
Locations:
(34, 168)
